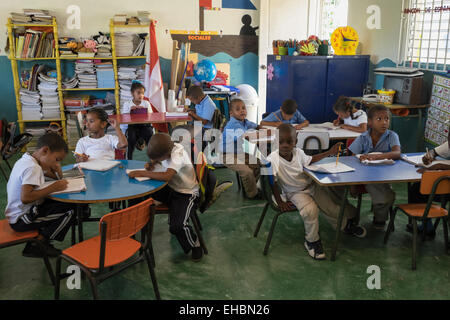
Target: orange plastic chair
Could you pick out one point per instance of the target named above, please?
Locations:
(9, 238)
(433, 182)
(113, 246)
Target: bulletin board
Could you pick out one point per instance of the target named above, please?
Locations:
(436, 130)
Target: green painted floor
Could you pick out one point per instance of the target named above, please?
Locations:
(235, 267)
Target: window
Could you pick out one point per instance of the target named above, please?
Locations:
(425, 28)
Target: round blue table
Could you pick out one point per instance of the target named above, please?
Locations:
(109, 186)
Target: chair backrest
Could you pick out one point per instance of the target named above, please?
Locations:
(127, 222)
(313, 140)
(437, 181)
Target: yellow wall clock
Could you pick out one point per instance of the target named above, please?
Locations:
(344, 41)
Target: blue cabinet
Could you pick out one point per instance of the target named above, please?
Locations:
(315, 82)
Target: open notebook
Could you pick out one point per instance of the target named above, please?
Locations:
(376, 162)
(158, 168)
(417, 160)
(176, 114)
(75, 185)
(330, 167)
(97, 165)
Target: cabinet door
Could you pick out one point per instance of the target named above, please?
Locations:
(346, 76)
(279, 86)
(309, 78)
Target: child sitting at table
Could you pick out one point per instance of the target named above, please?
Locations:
(98, 145)
(204, 106)
(386, 143)
(181, 193)
(138, 134)
(287, 166)
(234, 157)
(349, 117)
(27, 208)
(288, 113)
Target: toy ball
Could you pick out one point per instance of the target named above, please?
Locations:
(205, 70)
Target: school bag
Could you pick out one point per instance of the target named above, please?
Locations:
(11, 144)
(207, 182)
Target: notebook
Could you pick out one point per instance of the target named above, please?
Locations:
(158, 168)
(417, 160)
(330, 168)
(176, 114)
(75, 185)
(97, 165)
(376, 162)
(326, 125)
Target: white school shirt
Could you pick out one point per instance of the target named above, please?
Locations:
(185, 180)
(126, 108)
(361, 117)
(443, 150)
(102, 148)
(289, 174)
(25, 171)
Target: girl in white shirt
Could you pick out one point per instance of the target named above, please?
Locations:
(98, 145)
(349, 117)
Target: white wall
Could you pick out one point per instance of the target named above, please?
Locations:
(288, 19)
(95, 16)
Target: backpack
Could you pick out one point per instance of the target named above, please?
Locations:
(207, 181)
(11, 144)
(218, 120)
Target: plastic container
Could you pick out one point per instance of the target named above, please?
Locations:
(282, 51)
(275, 51)
(291, 51)
(386, 96)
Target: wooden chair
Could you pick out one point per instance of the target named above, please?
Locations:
(266, 184)
(433, 183)
(114, 247)
(9, 238)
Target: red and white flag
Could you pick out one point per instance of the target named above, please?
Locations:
(154, 91)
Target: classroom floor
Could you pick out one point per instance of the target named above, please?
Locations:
(235, 267)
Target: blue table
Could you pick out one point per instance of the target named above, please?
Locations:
(109, 186)
(401, 171)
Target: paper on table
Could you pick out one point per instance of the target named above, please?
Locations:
(97, 165)
(330, 168)
(417, 160)
(376, 162)
(176, 114)
(327, 125)
(74, 186)
(158, 168)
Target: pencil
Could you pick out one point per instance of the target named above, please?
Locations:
(337, 159)
(76, 154)
(57, 175)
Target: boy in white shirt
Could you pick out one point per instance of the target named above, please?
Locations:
(287, 165)
(98, 145)
(181, 193)
(27, 208)
(138, 134)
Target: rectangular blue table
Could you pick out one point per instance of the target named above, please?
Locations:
(401, 171)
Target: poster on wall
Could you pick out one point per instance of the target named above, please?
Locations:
(436, 130)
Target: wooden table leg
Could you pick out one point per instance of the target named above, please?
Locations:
(339, 223)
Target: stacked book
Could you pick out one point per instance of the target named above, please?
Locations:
(126, 75)
(64, 51)
(105, 75)
(85, 71)
(37, 132)
(103, 51)
(34, 43)
(126, 43)
(79, 103)
(35, 16)
(20, 18)
(31, 104)
(70, 83)
(140, 48)
(48, 87)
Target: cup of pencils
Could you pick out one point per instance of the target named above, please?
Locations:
(282, 48)
(292, 46)
(275, 47)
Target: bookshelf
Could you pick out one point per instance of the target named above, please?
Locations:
(58, 59)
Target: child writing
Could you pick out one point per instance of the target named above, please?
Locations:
(204, 106)
(232, 139)
(181, 193)
(138, 134)
(349, 117)
(27, 208)
(288, 113)
(385, 142)
(287, 166)
(98, 145)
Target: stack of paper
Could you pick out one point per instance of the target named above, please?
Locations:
(31, 104)
(331, 167)
(103, 50)
(176, 114)
(98, 165)
(105, 75)
(376, 162)
(20, 17)
(126, 76)
(126, 43)
(48, 87)
(85, 71)
(70, 83)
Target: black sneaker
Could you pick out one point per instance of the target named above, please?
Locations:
(33, 250)
(379, 225)
(197, 254)
(315, 249)
(354, 229)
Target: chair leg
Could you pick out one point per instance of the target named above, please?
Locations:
(198, 221)
(73, 235)
(358, 208)
(94, 288)
(238, 178)
(152, 253)
(152, 275)
(414, 244)
(436, 224)
(261, 219)
(199, 235)
(390, 227)
(269, 236)
(444, 223)
(57, 280)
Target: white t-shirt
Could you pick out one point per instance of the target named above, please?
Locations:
(361, 117)
(25, 171)
(126, 108)
(102, 148)
(443, 150)
(289, 174)
(185, 180)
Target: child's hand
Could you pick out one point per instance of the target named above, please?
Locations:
(335, 149)
(113, 123)
(83, 158)
(427, 159)
(138, 173)
(368, 157)
(336, 122)
(285, 206)
(59, 185)
(149, 166)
